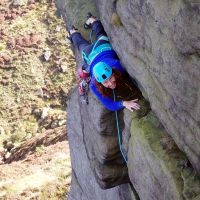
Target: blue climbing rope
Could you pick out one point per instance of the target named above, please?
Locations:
(118, 133)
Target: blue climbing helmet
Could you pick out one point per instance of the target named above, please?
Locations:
(102, 71)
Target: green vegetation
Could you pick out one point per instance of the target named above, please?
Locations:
(28, 85)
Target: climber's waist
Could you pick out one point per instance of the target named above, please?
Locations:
(101, 45)
(98, 50)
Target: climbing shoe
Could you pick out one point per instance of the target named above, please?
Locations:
(86, 25)
(70, 28)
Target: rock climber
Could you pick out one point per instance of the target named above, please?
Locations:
(109, 81)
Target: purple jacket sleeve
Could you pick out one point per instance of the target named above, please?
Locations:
(106, 101)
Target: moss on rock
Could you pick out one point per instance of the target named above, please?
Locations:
(163, 172)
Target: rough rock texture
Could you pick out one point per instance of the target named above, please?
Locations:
(96, 161)
(158, 44)
(89, 150)
(157, 168)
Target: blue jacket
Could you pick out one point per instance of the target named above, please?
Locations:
(110, 58)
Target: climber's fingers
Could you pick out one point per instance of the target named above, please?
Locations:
(135, 106)
(132, 105)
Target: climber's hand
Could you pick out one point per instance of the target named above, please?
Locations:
(131, 105)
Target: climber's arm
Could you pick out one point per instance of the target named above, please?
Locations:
(106, 101)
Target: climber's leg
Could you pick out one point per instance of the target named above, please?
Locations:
(96, 26)
(78, 40)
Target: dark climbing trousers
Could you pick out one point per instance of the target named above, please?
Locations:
(83, 44)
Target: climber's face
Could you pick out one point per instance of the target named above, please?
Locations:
(110, 82)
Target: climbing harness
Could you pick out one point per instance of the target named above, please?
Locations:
(118, 133)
